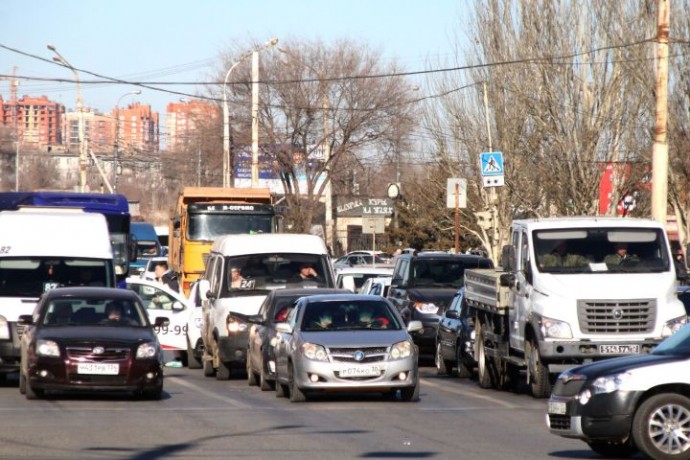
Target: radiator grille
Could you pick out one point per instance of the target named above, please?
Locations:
(347, 355)
(86, 354)
(559, 422)
(616, 317)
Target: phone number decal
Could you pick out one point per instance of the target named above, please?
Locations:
(174, 330)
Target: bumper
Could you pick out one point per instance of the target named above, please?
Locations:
(51, 374)
(9, 357)
(578, 352)
(233, 348)
(426, 338)
(393, 374)
(606, 417)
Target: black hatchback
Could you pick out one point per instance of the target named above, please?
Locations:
(90, 339)
(455, 339)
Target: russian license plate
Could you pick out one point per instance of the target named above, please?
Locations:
(360, 371)
(619, 349)
(557, 407)
(98, 368)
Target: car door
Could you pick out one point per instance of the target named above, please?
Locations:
(284, 344)
(448, 327)
(161, 301)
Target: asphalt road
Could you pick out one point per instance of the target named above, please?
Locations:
(202, 418)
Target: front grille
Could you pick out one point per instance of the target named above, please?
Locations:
(571, 388)
(98, 379)
(86, 354)
(371, 355)
(616, 316)
(559, 422)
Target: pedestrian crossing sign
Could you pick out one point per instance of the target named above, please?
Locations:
(492, 163)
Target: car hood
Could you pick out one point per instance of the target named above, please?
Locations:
(434, 295)
(96, 333)
(355, 339)
(622, 364)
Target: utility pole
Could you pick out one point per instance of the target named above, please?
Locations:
(660, 147)
(255, 119)
(493, 208)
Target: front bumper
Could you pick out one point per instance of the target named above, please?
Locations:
(393, 374)
(233, 348)
(605, 417)
(562, 355)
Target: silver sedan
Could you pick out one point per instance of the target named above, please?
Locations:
(346, 342)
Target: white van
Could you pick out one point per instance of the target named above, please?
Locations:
(41, 249)
(265, 262)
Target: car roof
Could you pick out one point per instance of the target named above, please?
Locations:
(444, 255)
(301, 292)
(366, 269)
(347, 297)
(264, 243)
(91, 292)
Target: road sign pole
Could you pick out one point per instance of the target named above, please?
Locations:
(457, 218)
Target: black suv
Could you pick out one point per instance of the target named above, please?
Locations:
(423, 286)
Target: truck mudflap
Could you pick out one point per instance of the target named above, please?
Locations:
(564, 355)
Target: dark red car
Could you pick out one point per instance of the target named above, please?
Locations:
(90, 339)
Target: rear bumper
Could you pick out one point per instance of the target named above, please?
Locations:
(233, 348)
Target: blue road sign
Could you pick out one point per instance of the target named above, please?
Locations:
(491, 163)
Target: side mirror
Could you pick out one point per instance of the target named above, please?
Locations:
(414, 326)
(284, 328)
(452, 314)
(161, 321)
(204, 289)
(508, 258)
(507, 279)
(25, 320)
(177, 306)
(255, 319)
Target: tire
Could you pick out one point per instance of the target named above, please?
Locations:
(33, 393)
(538, 373)
(612, 449)
(223, 371)
(464, 371)
(184, 358)
(410, 394)
(251, 376)
(281, 390)
(192, 361)
(264, 383)
(483, 364)
(654, 419)
(296, 395)
(209, 371)
(22, 383)
(443, 367)
(153, 395)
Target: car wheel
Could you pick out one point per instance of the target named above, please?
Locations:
(22, 383)
(539, 381)
(153, 395)
(483, 364)
(464, 371)
(251, 376)
(33, 393)
(410, 394)
(281, 390)
(264, 383)
(223, 371)
(209, 371)
(612, 449)
(296, 395)
(443, 367)
(661, 424)
(192, 361)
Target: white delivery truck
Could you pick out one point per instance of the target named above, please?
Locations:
(571, 291)
(42, 249)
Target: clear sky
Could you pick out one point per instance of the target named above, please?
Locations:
(181, 40)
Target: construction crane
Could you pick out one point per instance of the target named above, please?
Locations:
(14, 88)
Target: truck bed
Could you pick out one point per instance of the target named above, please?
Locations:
(483, 290)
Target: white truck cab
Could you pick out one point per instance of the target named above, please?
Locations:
(42, 249)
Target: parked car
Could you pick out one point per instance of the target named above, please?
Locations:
(354, 258)
(423, 286)
(353, 278)
(621, 405)
(455, 339)
(345, 342)
(275, 308)
(376, 286)
(74, 341)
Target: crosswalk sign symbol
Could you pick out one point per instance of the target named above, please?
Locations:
(492, 164)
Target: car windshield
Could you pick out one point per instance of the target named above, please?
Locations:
(93, 312)
(678, 344)
(348, 316)
(444, 272)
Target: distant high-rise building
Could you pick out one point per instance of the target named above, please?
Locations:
(183, 120)
(38, 120)
(137, 129)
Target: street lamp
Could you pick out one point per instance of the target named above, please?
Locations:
(118, 165)
(82, 145)
(227, 173)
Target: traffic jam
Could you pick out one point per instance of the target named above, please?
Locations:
(585, 313)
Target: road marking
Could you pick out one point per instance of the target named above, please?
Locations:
(471, 393)
(208, 393)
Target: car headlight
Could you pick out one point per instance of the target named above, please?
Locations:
(314, 352)
(671, 327)
(4, 328)
(401, 350)
(47, 348)
(604, 385)
(147, 350)
(426, 307)
(234, 326)
(555, 329)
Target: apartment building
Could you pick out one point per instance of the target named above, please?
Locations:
(184, 119)
(38, 120)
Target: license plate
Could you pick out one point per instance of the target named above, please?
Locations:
(362, 371)
(557, 407)
(618, 349)
(98, 368)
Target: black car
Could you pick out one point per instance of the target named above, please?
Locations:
(621, 405)
(274, 309)
(423, 286)
(90, 339)
(455, 339)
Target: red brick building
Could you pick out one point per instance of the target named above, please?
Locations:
(184, 119)
(37, 119)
